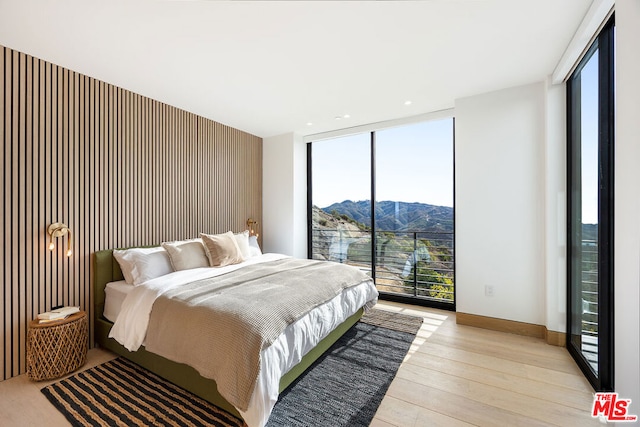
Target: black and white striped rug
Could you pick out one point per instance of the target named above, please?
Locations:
(121, 393)
(360, 365)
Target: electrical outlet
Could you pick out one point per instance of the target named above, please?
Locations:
(488, 290)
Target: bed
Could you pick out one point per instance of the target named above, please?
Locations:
(107, 270)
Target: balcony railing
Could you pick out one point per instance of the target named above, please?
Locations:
(419, 264)
(589, 295)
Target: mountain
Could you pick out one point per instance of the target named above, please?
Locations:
(398, 216)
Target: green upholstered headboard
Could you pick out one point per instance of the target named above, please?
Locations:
(105, 269)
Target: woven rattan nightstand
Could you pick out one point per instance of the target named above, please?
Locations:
(56, 348)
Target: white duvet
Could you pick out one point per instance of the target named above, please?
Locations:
(297, 339)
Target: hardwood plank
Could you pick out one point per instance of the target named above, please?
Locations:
(578, 399)
(399, 413)
(505, 352)
(547, 374)
(376, 422)
(525, 343)
(455, 406)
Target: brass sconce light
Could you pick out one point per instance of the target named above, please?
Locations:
(252, 224)
(56, 230)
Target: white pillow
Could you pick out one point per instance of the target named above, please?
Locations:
(242, 239)
(186, 254)
(141, 264)
(254, 247)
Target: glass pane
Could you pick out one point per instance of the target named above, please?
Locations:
(414, 210)
(585, 245)
(341, 199)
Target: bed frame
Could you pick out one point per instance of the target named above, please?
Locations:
(107, 269)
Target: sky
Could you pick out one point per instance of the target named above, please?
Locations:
(414, 163)
(589, 140)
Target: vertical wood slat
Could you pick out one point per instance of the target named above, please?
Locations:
(3, 212)
(64, 145)
(118, 168)
(56, 101)
(46, 123)
(15, 209)
(26, 119)
(35, 173)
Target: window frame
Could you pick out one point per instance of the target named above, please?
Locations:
(603, 380)
(390, 296)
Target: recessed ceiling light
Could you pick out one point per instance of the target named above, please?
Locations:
(346, 116)
(407, 102)
(338, 117)
(309, 124)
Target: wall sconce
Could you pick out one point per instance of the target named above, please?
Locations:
(56, 230)
(252, 224)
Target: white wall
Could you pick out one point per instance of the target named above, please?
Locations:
(627, 203)
(284, 195)
(500, 139)
(555, 212)
(299, 197)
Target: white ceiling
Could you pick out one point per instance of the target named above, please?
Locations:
(269, 68)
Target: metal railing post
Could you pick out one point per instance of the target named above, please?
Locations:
(415, 264)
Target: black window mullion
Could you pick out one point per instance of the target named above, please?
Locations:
(374, 251)
(606, 116)
(309, 202)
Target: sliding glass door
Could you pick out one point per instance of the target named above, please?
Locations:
(590, 96)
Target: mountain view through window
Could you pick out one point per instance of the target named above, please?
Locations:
(388, 193)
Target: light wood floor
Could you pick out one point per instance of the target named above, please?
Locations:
(457, 375)
(453, 376)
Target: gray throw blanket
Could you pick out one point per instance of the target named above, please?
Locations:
(219, 326)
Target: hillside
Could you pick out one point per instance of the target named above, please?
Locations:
(416, 264)
(398, 216)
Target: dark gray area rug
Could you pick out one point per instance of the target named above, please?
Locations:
(344, 387)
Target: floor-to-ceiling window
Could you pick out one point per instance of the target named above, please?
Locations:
(590, 101)
(389, 193)
(341, 193)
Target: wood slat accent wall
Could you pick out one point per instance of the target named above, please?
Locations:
(118, 168)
